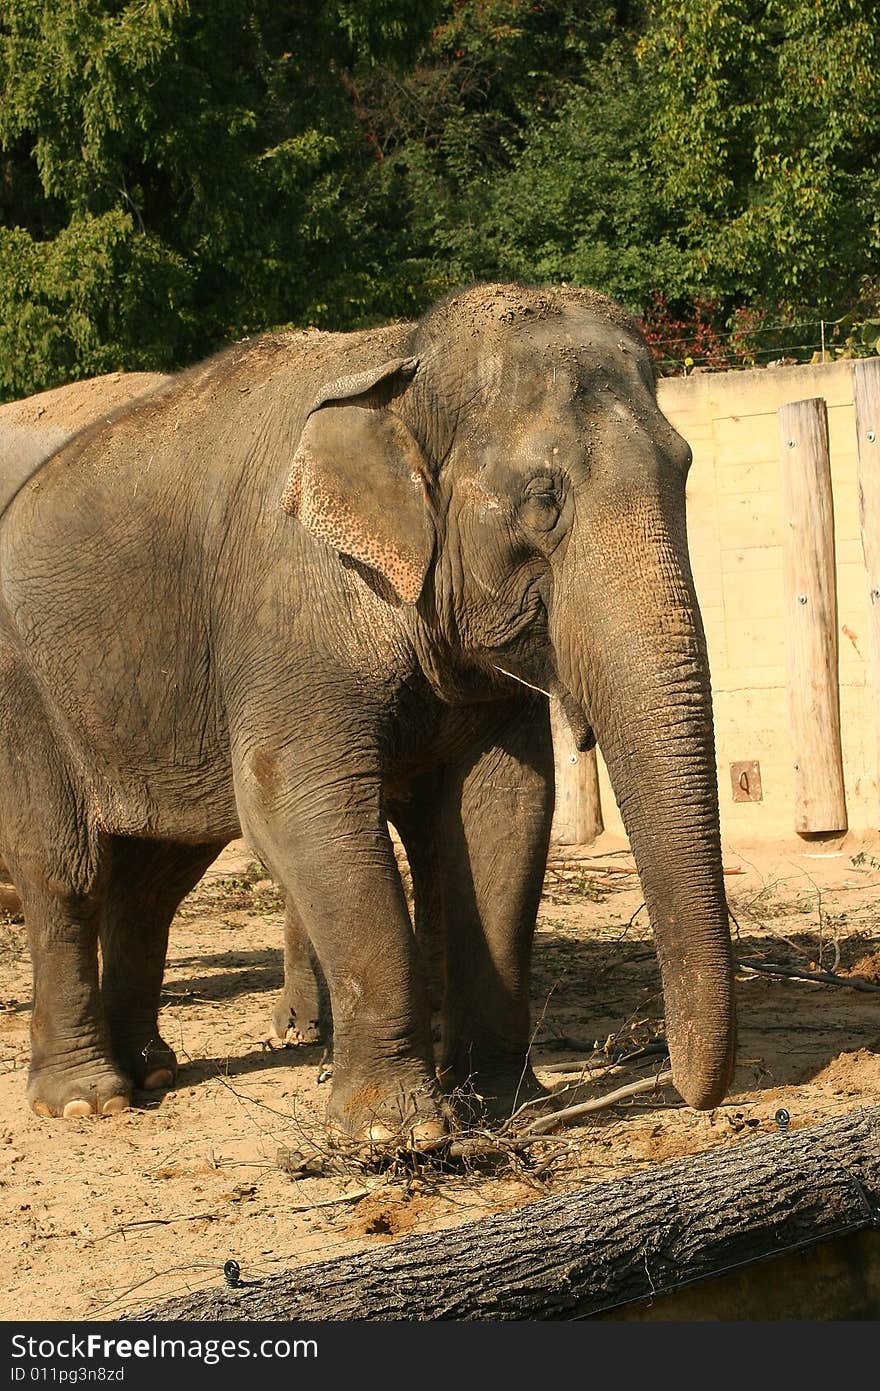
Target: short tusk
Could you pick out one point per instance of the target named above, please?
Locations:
(539, 689)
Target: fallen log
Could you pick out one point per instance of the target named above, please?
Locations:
(581, 1254)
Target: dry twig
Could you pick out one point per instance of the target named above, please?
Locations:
(354, 1197)
(769, 968)
(617, 1064)
(599, 1103)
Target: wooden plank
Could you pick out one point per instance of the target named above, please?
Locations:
(577, 817)
(866, 396)
(810, 580)
(584, 1253)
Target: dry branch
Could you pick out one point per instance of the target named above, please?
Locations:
(598, 1103)
(768, 968)
(619, 1062)
(583, 1253)
(585, 865)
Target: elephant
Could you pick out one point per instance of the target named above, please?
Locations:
(33, 428)
(322, 581)
(30, 430)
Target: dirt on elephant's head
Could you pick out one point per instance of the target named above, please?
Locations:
(494, 306)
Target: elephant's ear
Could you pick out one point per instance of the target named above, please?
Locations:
(359, 481)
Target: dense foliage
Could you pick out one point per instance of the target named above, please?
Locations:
(177, 173)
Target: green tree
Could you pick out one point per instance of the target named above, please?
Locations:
(702, 154)
(178, 172)
(518, 146)
(767, 135)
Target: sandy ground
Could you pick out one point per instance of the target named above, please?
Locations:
(101, 1217)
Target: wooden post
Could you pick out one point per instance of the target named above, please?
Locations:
(866, 396)
(577, 818)
(810, 580)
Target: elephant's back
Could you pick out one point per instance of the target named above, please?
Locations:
(33, 428)
(208, 447)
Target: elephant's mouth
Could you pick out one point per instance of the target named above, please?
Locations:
(578, 720)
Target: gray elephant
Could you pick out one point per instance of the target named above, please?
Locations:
(309, 586)
(30, 430)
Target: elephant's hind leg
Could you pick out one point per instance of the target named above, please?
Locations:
(494, 834)
(58, 858)
(146, 881)
(301, 1013)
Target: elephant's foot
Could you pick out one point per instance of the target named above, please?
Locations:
(491, 1092)
(86, 1087)
(294, 1027)
(9, 900)
(395, 1112)
(145, 1057)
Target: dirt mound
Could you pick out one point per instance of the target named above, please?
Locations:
(31, 429)
(866, 968)
(852, 1073)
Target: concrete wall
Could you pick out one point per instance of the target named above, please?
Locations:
(735, 521)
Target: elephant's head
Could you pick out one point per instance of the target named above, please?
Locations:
(514, 480)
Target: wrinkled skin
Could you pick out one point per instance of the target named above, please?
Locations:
(288, 596)
(30, 430)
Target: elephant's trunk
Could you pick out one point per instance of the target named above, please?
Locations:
(630, 649)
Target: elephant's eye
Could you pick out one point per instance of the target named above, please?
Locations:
(541, 505)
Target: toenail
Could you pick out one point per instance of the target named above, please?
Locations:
(114, 1106)
(426, 1133)
(74, 1109)
(379, 1134)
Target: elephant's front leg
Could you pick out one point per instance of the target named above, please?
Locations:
(496, 816)
(326, 841)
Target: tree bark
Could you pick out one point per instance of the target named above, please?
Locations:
(585, 1253)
